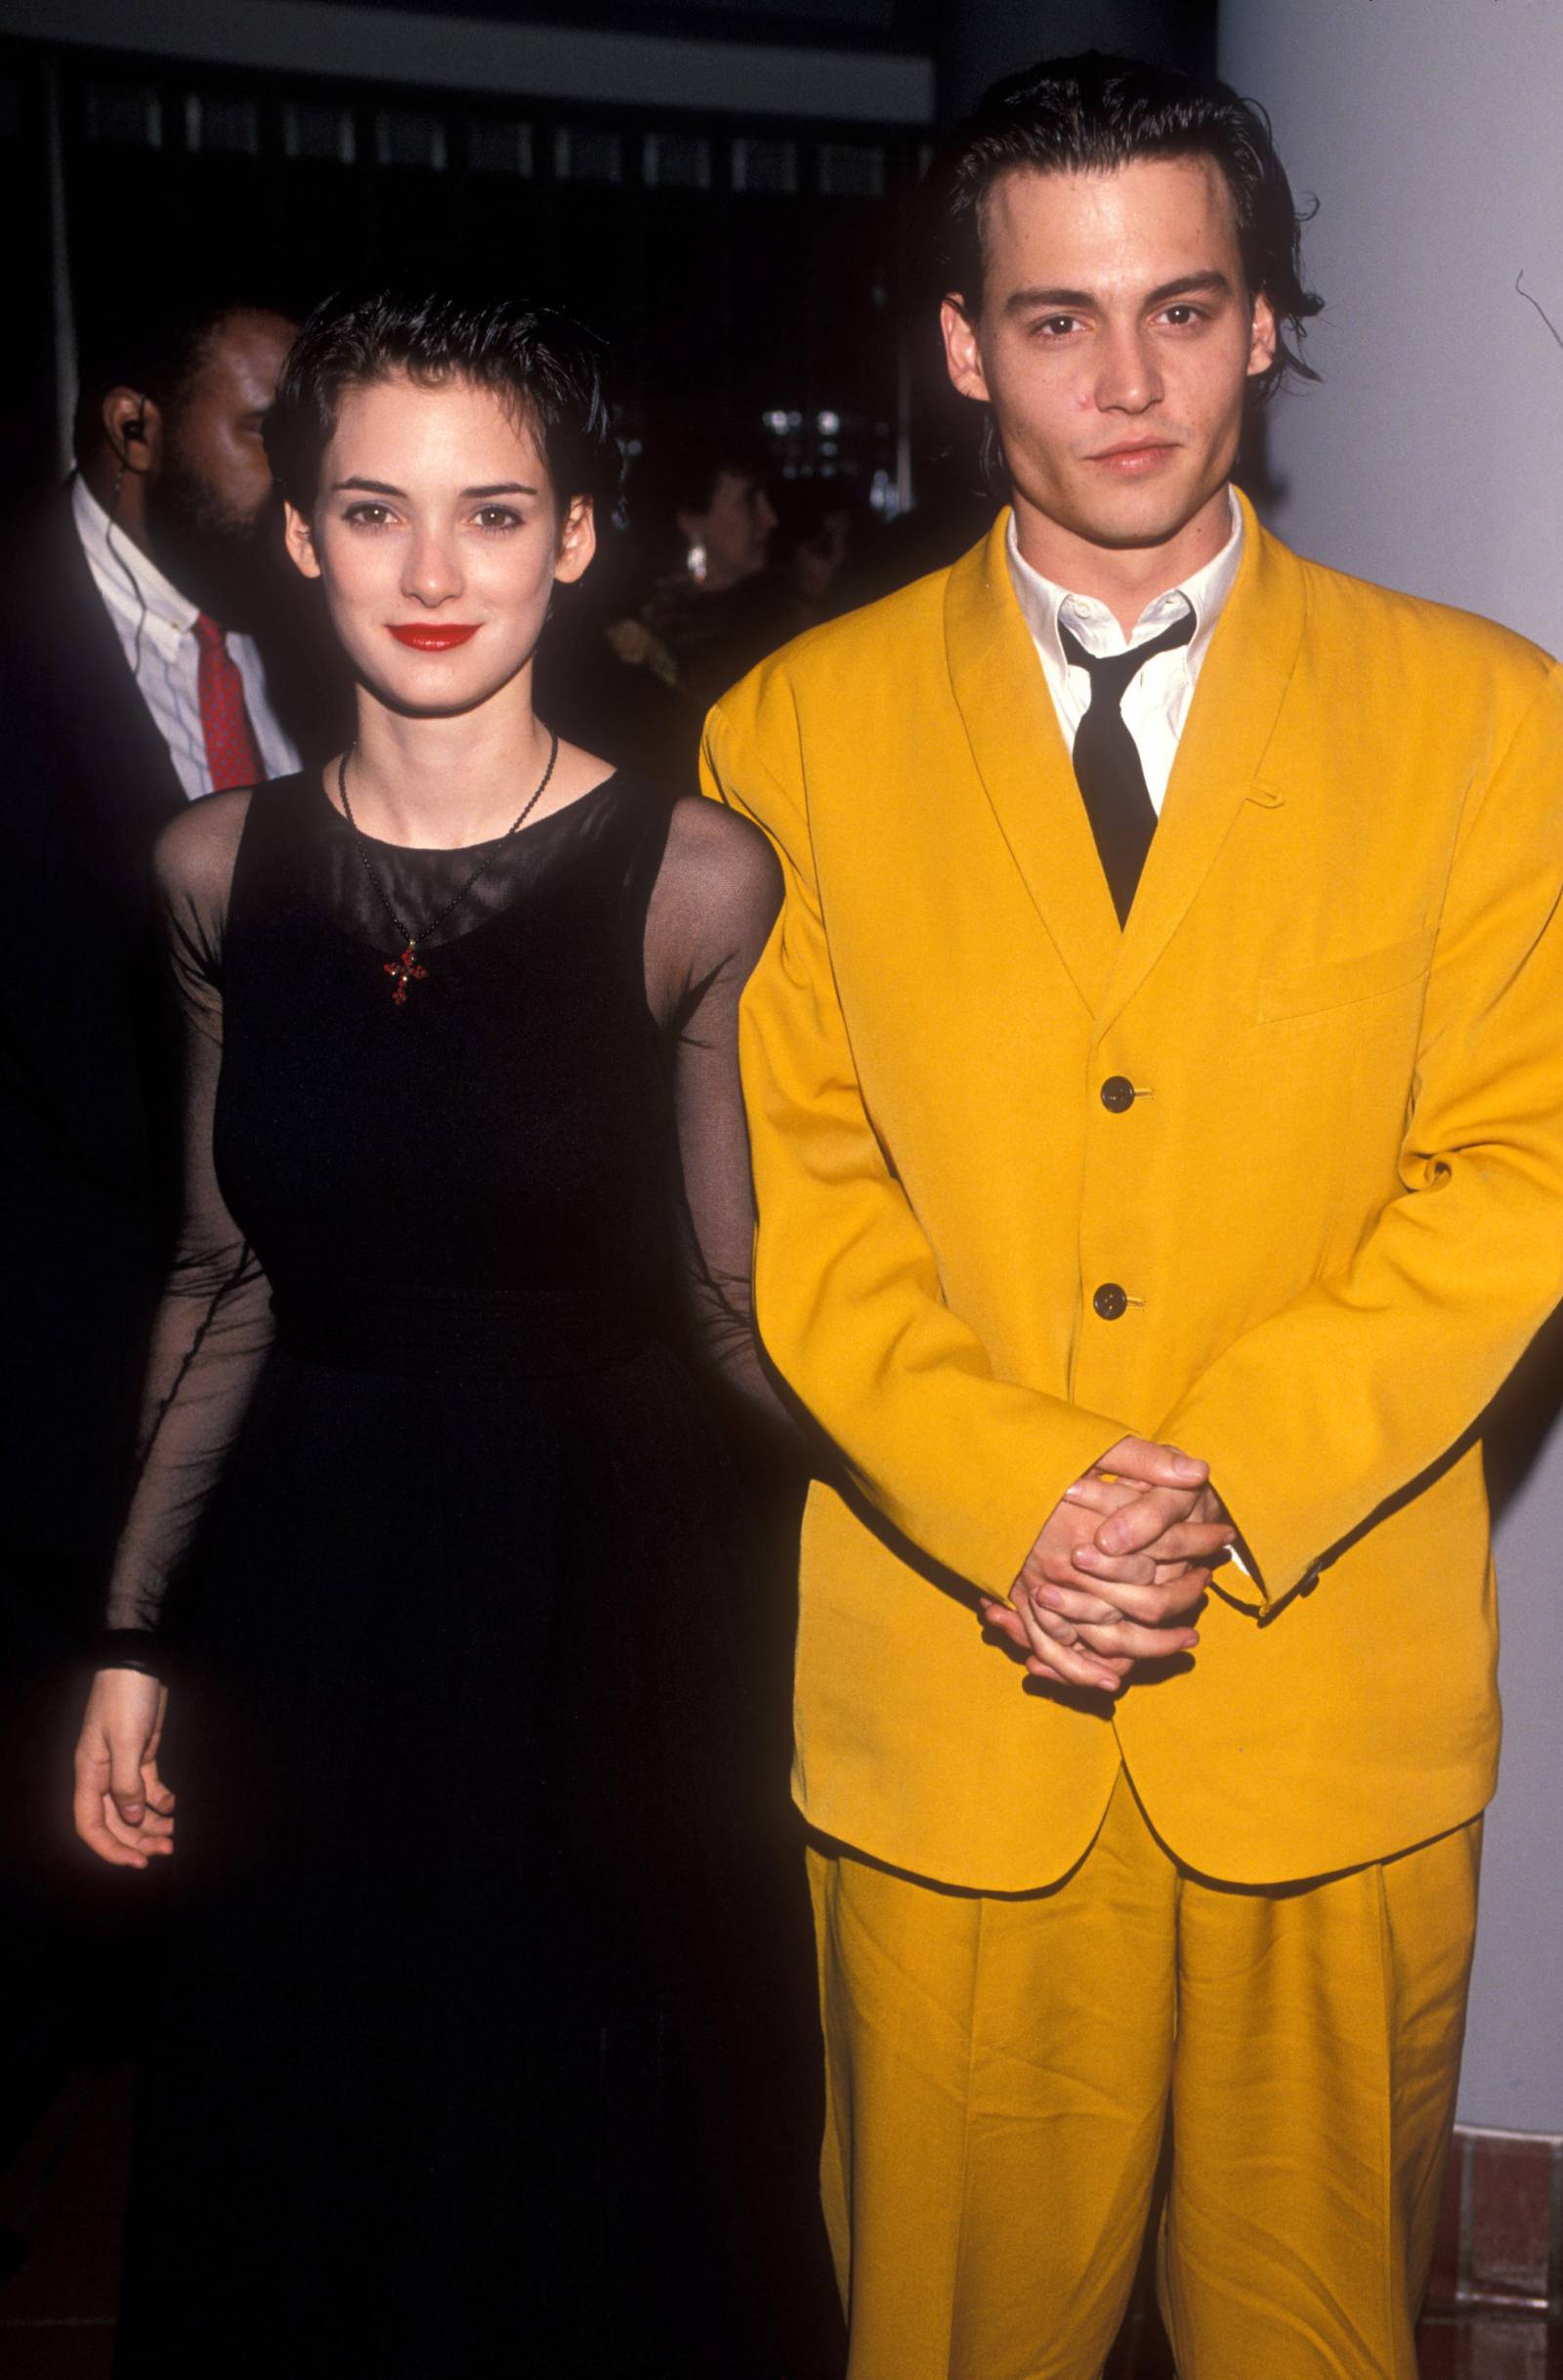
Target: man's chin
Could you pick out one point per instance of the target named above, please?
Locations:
(1156, 519)
(1138, 518)
(1125, 516)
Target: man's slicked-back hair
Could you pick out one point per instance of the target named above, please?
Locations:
(1093, 114)
(543, 365)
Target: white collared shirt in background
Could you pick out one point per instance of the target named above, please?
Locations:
(1157, 701)
(165, 668)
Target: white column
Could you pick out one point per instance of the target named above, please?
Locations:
(1431, 458)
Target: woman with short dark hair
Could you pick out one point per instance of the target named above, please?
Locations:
(427, 1553)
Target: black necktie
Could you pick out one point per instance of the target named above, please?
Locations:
(1107, 763)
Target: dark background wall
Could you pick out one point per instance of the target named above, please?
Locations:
(720, 185)
(980, 40)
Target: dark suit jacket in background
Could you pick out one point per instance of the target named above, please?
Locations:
(88, 1134)
(85, 1093)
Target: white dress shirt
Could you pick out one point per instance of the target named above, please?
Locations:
(1157, 701)
(157, 629)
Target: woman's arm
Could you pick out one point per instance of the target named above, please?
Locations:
(715, 902)
(210, 1338)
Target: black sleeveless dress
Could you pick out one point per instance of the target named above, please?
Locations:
(475, 1733)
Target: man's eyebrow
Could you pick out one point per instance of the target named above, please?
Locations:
(1191, 285)
(1080, 301)
(1073, 300)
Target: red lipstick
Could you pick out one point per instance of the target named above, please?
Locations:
(430, 636)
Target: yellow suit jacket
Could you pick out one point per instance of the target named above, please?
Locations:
(1335, 1208)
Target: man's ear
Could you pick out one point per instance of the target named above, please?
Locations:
(1262, 343)
(577, 540)
(964, 356)
(134, 429)
(298, 535)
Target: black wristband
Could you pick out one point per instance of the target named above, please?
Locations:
(130, 1648)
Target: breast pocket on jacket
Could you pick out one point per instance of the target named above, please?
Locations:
(1347, 982)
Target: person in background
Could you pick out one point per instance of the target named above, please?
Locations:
(812, 546)
(604, 680)
(129, 686)
(1156, 1115)
(701, 497)
(171, 508)
(722, 510)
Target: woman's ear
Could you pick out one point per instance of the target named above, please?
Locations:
(298, 535)
(577, 539)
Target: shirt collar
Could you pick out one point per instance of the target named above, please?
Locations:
(127, 577)
(1204, 593)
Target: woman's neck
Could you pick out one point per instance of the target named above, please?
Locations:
(441, 783)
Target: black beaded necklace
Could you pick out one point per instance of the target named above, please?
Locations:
(406, 968)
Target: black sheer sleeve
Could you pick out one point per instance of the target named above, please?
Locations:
(715, 900)
(214, 1322)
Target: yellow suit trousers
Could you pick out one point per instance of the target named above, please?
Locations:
(1002, 2066)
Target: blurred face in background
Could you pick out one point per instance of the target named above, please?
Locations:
(816, 562)
(1115, 341)
(208, 523)
(730, 539)
(439, 538)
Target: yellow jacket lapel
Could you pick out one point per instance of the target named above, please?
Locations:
(1231, 720)
(1024, 764)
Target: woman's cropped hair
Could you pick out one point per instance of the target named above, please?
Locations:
(540, 361)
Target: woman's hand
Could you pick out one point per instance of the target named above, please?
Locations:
(123, 1809)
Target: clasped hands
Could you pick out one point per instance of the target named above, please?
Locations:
(1122, 1563)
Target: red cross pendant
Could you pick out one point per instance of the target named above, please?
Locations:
(404, 971)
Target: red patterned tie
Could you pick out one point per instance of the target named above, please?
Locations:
(231, 755)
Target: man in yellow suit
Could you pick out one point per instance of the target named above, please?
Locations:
(1155, 1083)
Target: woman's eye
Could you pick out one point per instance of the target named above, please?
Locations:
(367, 516)
(497, 517)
